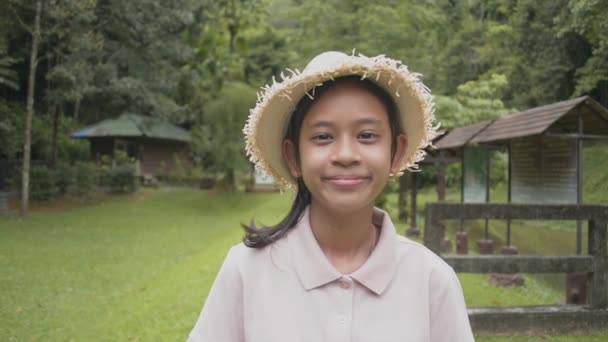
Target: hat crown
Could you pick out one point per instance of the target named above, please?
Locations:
(263, 133)
(324, 61)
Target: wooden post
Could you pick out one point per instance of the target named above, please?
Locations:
(579, 181)
(576, 283)
(461, 222)
(446, 244)
(402, 198)
(441, 177)
(413, 225)
(486, 234)
(599, 250)
(432, 234)
(509, 184)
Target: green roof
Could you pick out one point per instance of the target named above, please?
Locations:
(133, 125)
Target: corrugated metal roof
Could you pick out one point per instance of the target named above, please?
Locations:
(530, 122)
(132, 125)
(461, 135)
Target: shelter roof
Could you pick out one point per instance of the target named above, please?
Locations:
(560, 117)
(133, 125)
(529, 122)
(461, 135)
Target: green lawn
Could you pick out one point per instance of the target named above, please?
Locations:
(138, 268)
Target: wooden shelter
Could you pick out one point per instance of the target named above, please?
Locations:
(544, 146)
(152, 142)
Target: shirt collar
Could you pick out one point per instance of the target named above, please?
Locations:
(314, 270)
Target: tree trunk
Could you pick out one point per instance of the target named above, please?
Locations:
(56, 120)
(232, 26)
(76, 109)
(233, 31)
(29, 112)
(229, 181)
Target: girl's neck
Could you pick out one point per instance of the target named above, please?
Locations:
(346, 238)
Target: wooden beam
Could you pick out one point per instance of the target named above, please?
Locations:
(577, 136)
(550, 319)
(503, 211)
(520, 263)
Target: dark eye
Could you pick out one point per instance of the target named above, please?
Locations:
(321, 137)
(368, 136)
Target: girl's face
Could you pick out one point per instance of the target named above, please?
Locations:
(345, 149)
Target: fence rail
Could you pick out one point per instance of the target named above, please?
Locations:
(542, 318)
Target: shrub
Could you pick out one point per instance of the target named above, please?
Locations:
(85, 176)
(122, 179)
(43, 183)
(65, 177)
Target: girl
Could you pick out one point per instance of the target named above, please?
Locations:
(334, 269)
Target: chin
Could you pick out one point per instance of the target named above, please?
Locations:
(349, 203)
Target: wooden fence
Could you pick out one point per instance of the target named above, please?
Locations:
(550, 318)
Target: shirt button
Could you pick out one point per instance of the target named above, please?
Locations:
(341, 319)
(344, 283)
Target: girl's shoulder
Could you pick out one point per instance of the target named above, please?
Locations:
(240, 253)
(411, 250)
(257, 259)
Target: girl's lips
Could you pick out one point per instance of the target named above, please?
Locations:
(346, 182)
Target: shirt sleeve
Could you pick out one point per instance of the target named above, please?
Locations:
(449, 316)
(222, 316)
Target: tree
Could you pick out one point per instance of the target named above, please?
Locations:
(266, 55)
(219, 142)
(475, 101)
(69, 76)
(35, 33)
(140, 65)
(8, 77)
(587, 19)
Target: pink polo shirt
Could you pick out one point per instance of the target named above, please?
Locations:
(289, 292)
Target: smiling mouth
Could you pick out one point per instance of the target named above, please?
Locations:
(346, 181)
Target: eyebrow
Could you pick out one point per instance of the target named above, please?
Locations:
(326, 123)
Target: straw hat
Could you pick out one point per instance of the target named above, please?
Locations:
(265, 127)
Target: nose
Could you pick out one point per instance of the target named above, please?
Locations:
(346, 152)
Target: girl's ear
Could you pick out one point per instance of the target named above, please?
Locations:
(289, 155)
(400, 149)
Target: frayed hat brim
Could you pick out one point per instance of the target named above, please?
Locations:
(264, 130)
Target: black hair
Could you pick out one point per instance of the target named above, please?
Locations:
(260, 237)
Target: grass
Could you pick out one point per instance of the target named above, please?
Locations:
(134, 268)
(138, 267)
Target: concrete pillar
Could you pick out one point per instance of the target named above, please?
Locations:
(462, 243)
(576, 288)
(446, 244)
(507, 279)
(485, 246)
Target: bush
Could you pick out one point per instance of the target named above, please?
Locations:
(43, 183)
(122, 179)
(85, 177)
(65, 177)
(119, 174)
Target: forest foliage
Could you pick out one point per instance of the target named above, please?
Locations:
(197, 63)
